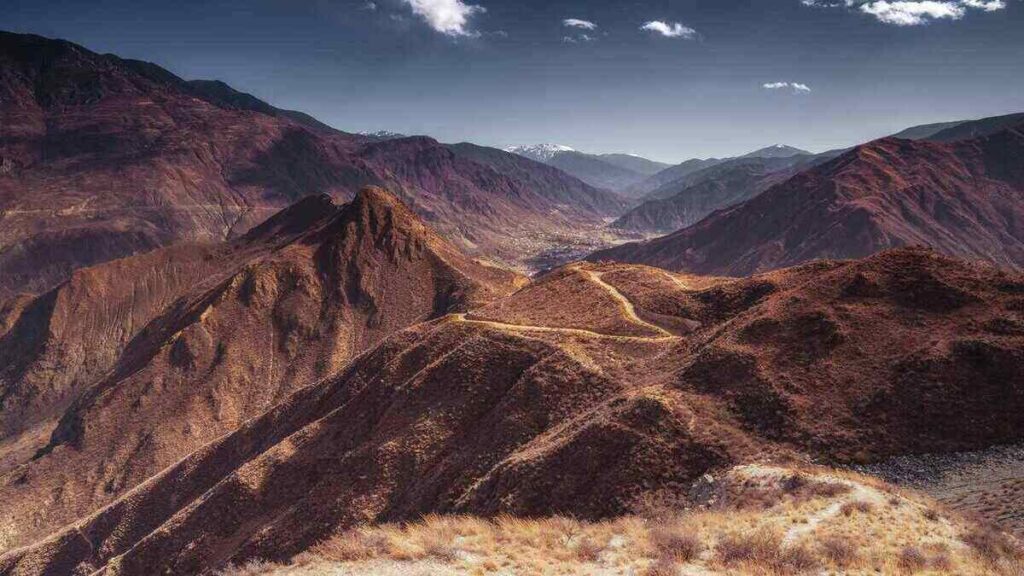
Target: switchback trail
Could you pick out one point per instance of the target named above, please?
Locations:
(626, 306)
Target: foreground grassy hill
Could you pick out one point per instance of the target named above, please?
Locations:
(754, 519)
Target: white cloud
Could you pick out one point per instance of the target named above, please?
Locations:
(909, 13)
(449, 17)
(796, 87)
(669, 29)
(912, 12)
(576, 23)
(986, 5)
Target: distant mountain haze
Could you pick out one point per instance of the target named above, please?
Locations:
(962, 198)
(617, 172)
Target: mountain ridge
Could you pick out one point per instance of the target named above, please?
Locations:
(752, 368)
(104, 158)
(961, 197)
(237, 328)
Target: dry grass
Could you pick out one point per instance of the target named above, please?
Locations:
(676, 543)
(912, 560)
(763, 551)
(993, 546)
(840, 553)
(253, 568)
(809, 522)
(662, 567)
(760, 547)
(850, 508)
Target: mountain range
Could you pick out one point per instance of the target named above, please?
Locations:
(618, 172)
(133, 364)
(962, 198)
(103, 157)
(556, 399)
(236, 341)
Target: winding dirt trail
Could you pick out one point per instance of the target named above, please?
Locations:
(569, 331)
(626, 306)
(675, 280)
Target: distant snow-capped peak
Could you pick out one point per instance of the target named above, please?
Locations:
(383, 135)
(541, 152)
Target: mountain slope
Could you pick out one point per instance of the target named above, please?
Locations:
(776, 151)
(635, 163)
(643, 383)
(706, 191)
(618, 172)
(924, 131)
(674, 179)
(962, 198)
(978, 128)
(146, 359)
(102, 158)
(595, 171)
(671, 174)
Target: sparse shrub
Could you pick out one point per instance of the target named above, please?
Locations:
(349, 546)
(662, 567)
(861, 506)
(659, 506)
(828, 489)
(589, 550)
(941, 562)
(931, 514)
(761, 546)
(802, 488)
(992, 545)
(840, 552)
(912, 560)
(796, 560)
(794, 483)
(674, 543)
(250, 568)
(438, 545)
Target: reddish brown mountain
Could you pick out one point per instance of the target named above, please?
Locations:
(964, 198)
(635, 381)
(149, 358)
(102, 157)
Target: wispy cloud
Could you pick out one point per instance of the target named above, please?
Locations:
(449, 17)
(577, 23)
(796, 87)
(911, 12)
(670, 29)
(579, 38)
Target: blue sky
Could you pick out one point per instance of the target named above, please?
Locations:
(666, 79)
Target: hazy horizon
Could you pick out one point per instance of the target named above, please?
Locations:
(663, 80)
